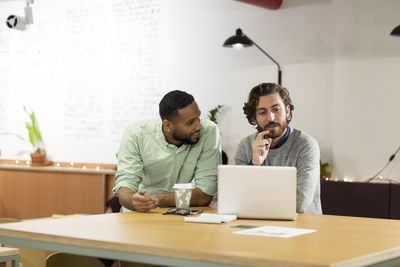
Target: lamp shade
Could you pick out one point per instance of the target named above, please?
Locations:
(238, 38)
(396, 31)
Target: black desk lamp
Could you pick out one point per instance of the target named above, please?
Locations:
(396, 31)
(240, 40)
(387, 164)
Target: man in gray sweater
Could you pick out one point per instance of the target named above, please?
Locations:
(270, 109)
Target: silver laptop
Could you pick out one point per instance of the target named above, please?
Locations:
(258, 192)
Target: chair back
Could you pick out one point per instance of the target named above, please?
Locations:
(112, 205)
(70, 260)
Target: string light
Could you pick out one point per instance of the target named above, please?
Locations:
(347, 179)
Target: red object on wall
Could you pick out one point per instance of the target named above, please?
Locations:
(270, 4)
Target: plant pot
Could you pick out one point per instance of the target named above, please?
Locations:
(39, 159)
(327, 175)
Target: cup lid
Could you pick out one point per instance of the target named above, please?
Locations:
(183, 186)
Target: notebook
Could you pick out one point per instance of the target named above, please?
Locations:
(257, 192)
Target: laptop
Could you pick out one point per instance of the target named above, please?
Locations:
(257, 192)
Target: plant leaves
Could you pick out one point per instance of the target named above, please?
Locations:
(35, 136)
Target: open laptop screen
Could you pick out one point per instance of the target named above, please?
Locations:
(260, 192)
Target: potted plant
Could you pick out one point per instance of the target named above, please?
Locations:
(324, 173)
(38, 157)
(212, 115)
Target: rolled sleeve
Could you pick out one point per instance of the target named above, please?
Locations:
(130, 168)
(205, 175)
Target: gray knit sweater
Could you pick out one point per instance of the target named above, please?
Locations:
(301, 151)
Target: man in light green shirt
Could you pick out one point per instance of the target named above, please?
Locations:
(156, 154)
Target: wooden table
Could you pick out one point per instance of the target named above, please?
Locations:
(168, 240)
(9, 254)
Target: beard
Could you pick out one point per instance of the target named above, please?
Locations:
(189, 139)
(278, 130)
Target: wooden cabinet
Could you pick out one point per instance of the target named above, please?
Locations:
(376, 200)
(32, 192)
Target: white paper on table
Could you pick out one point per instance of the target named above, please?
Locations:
(275, 231)
(212, 218)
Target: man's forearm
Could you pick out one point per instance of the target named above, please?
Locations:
(166, 200)
(125, 196)
(199, 198)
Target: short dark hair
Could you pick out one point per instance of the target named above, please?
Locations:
(172, 102)
(263, 89)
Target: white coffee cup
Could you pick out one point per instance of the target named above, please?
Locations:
(183, 194)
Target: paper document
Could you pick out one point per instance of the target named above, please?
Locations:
(212, 218)
(275, 231)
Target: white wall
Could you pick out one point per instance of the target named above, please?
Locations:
(193, 58)
(333, 55)
(366, 77)
(366, 126)
(338, 61)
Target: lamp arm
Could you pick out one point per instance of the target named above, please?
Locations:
(390, 160)
(265, 53)
(262, 50)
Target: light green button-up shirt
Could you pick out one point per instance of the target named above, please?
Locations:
(147, 160)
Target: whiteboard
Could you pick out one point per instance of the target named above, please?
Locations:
(87, 68)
